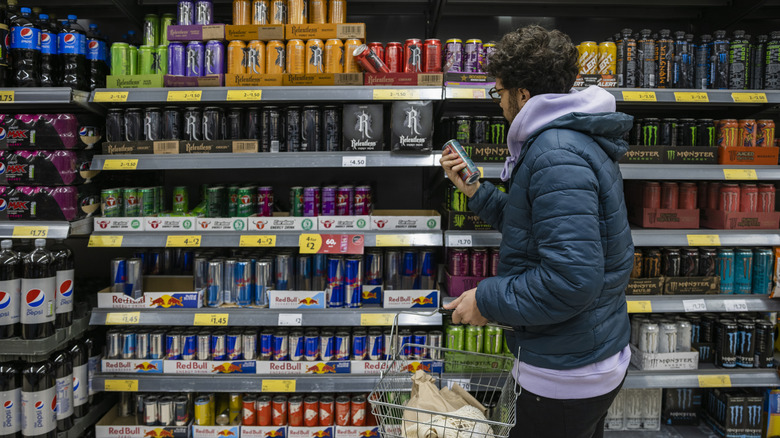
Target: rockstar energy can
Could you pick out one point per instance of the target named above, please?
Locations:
(255, 57)
(334, 56)
(607, 58)
(318, 11)
(315, 51)
(296, 55)
(350, 63)
(275, 54)
(236, 62)
(296, 11)
(589, 54)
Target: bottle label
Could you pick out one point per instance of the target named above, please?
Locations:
(11, 411)
(64, 291)
(9, 301)
(25, 38)
(38, 412)
(94, 363)
(82, 44)
(37, 300)
(48, 43)
(80, 385)
(69, 43)
(64, 397)
(94, 51)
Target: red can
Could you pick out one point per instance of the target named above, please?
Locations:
(326, 410)
(729, 197)
(358, 410)
(651, 196)
(249, 411)
(747, 133)
(311, 411)
(378, 49)
(766, 198)
(728, 133)
(688, 196)
(670, 195)
(279, 411)
(765, 132)
(432, 56)
(413, 52)
(295, 411)
(748, 198)
(702, 194)
(494, 260)
(713, 195)
(367, 59)
(342, 410)
(394, 57)
(264, 408)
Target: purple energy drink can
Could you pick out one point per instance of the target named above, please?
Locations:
(214, 58)
(494, 260)
(408, 269)
(362, 201)
(266, 345)
(359, 345)
(479, 262)
(341, 345)
(233, 346)
(186, 13)
(204, 12)
(375, 345)
(312, 349)
(173, 346)
(471, 55)
(177, 59)
(189, 349)
(329, 201)
(345, 196)
(265, 201)
(218, 349)
(335, 279)
(353, 282)
(453, 58)
(281, 351)
(297, 345)
(458, 262)
(311, 205)
(327, 346)
(194, 52)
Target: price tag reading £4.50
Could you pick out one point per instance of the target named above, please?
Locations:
(353, 161)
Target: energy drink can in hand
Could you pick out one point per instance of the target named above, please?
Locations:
(470, 173)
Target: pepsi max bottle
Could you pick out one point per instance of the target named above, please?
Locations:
(73, 55)
(25, 51)
(63, 266)
(39, 401)
(63, 375)
(10, 295)
(96, 58)
(38, 293)
(93, 363)
(10, 401)
(49, 72)
(78, 353)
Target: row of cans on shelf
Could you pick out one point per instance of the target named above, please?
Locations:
(458, 201)
(488, 339)
(472, 57)
(598, 58)
(288, 11)
(127, 59)
(702, 132)
(476, 129)
(475, 262)
(132, 201)
(730, 197)
(275, 344)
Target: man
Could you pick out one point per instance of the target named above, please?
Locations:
(566, 250)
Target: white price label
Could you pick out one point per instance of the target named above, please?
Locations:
(464, 383)
(459, 241)
(695, 305)
(736, 305)
(290, 319)
(353, 161)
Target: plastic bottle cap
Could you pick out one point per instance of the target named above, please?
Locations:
(26, 10)
(93, 26)
(6, 244)
(72, 17)
(43, 16)
(40, 243)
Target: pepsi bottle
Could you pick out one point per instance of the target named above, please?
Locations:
(96, 58)
(49, 62)
(78, 353)
(63, 266)
(73, 54)
(10, 291)
(39, 401)
(38, 293)
(63, 375)
(25, 51)
(93, 363)
(10, 401)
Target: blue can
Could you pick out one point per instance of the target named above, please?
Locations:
(763, 261)
(373, 268)
(154, 263)
(128, 345)
(214, 280)
(266, 345)
(427, 270)
(327, 346)
(173, 346)
(189, 349)
(281, 350)
(420, 338)
(743, 270)
(312, 349)
(141, 255)
(297, 345)
(285, 272)
(187, 257)
(118, 275)
(336, 281)
(726, 270)
(409, 270)
(194, 53)
(341, 345)
(376, 340)
(242, 282)
(218, 350)
(353, 282)
(319, 271)
(233, 346)
(404, 339)
(359, 345)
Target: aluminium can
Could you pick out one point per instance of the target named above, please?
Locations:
(743, 264)
(648, 337)
(763, 264)
(218, 345)
(142, 346)
(764, 340)
(667, 337)
(249, 344)
(470, 174)
(746, 332)
(194, 53)
(726, 343)
(204, 346)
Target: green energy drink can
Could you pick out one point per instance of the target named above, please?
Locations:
(145, 59)
(296, 201)
(506, 347)
(462, 128)
(501, 187)
(497, 130)
(246, 202)
(232, 201)
(111, 202)
(132, 60)
(130, 201)
(181, 200)
(151, 30)
(456, 337)
(147, 199)
(494, 340)
(458, 200)
(160, 61)
(215, 202)
(120, 54)
(474, 339)
(165, 21)
(159, 193)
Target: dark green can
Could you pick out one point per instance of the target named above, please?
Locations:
(232, 201)
(181, 200)
(456, 337)
(296, 201)
(160, 194)
(246, 202)
(130, 202)
(494, 340)
(111, 202)
(458, 200)
(215, 201)
(474, 339)
(147, 199)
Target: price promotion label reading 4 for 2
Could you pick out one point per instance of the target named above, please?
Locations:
(331, 243)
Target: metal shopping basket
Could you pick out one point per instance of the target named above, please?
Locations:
(488, 378)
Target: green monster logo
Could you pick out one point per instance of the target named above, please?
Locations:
(670, 154)
(650, 135)
(694, 132)
(710, 136)
(468, 149)
(459, 220)
(498, 133)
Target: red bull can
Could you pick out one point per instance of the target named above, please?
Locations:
(218, 349)
(359, 345)
(312, 346)
(249, 344)
(214, 280)
(118, 275)
(266, 345)
(233, 346)
(375, 345)
(189, 346)
(128, 345)
(335, 279)
(427, 270)
(142, 345)
(242, 282)
(281, 349)
(388, 342)
(373, 268)
(404, 339)
(341, 345)
(470, 173)
(421, 339)
(435, 342)
(353, 282)
(156, 342)
(297, 345)
(327, 344)
(408, 269)
(181, 412)
(204, 346)
(173, 346)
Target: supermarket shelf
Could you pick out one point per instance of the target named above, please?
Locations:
(714, 303)
(42, 348)
(48, 229)
(212, 95)
(742, 238)
(742, 377)
(300, 160)
(270, 317)
(700, 431)
(55, 99)
(478, 238)
(283, 239)
(80, 425)
(691, 171)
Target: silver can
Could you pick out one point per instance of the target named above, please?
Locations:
(249, 341)
(228, 284)
(200, 266)
(263, 281)
(151, 412)
(142, 346)
(165, 411)
(667, 337)
(648, 337)
(157, 345)
(285, 272)
(135, 277)
(435, 340)
(637, 321)
(684, 335)
(113, 344)
(204, 346)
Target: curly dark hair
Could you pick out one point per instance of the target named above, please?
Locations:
(539, 60)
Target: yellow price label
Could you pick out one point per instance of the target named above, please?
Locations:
(105, 241)
(26, 231)
(695, 97)
(740, 174)
(116, 318)
(258, 241)
(113, 164)
(7, 96)
(245, 95)
(183, 241)
(393, 240)
(703, 240)
(481, 172)
(749, 97)
(396, 94)
(185, 96)
(374, 319)
(639, 306)
(278, 385)
(121, 385)
(639, 96)
(715, 381)
(467, 93)
(111, 96)
(309, 243)
(211, 319)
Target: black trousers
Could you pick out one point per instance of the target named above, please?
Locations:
(541, 417)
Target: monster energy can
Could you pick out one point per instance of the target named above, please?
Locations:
(458, 200)
(181, 201)
(480, 129)
(148, 201)
(462, 128)
(650, 128)
(215, 201)
(497, 130)
(707, 132)
(687, 132)
(456, 337)
(474, 339)
(668, 134)
(494, 340)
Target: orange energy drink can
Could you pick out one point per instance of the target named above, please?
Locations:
(296, 57)
(278, 13)
(318, 11)
(296, 12)
(260, 12)
(255, 57)
(338, 11)
(747, 133)
(334, 56)
(315, 51)
(765, 133)
(236, 62)
(728, 133)
(607, 58)
(589, 53)
(350, 63)
(241, 12)
(274, 58)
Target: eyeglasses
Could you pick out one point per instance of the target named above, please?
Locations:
(495, 94)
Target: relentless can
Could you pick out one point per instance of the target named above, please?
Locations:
(237, 57)
(194, 53)
(177, 59)
(295, 57)
(432, 55)
(334, 56)
(331, 129)
(214, 58)
(261, 12)
(369, 60)
(311, 129)
(278, 14)
(318, 11)
(204, 12)
(273, 129)
(314, 53)
(350, 63)
(119, 55)
(275, 57)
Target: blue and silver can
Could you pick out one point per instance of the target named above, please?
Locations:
(327, 345)
(142, 346)
(134, 285)
(173, 346)
(420, 338)
(311, 351)
(242, 282)
(218, 348)
(157, 345)
(359, 344)
(128, 345)
(263, 281)
(303, 272)
(409, 269)
(404, 339)
(726, 270)
(215, 278)
(229, 282)
(266, 345)
(249, 344)
(335, 282)
(155, 263)
(285, 267)
(297, 345)
(204, 346)
(353, 282)
(743, 264)
(376, 350)
(389, 344)
(118, 275)
(469, 174)
(373, 268)
(341, 345)
(281, 349)
(319, 272)
(233, 343)
(763, 264)
(189, 350)
(392, 269)
(200, 269)
(113, 344)
(427, 270)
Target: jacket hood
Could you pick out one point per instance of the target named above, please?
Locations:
(591, 112)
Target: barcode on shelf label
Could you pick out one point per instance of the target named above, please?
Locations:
(695, 305)
(166, 147)
(353, 161)
(735, 305)
(244, 146)
(350, 31)
(290, 319)
(424, 79)
(459, 241)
